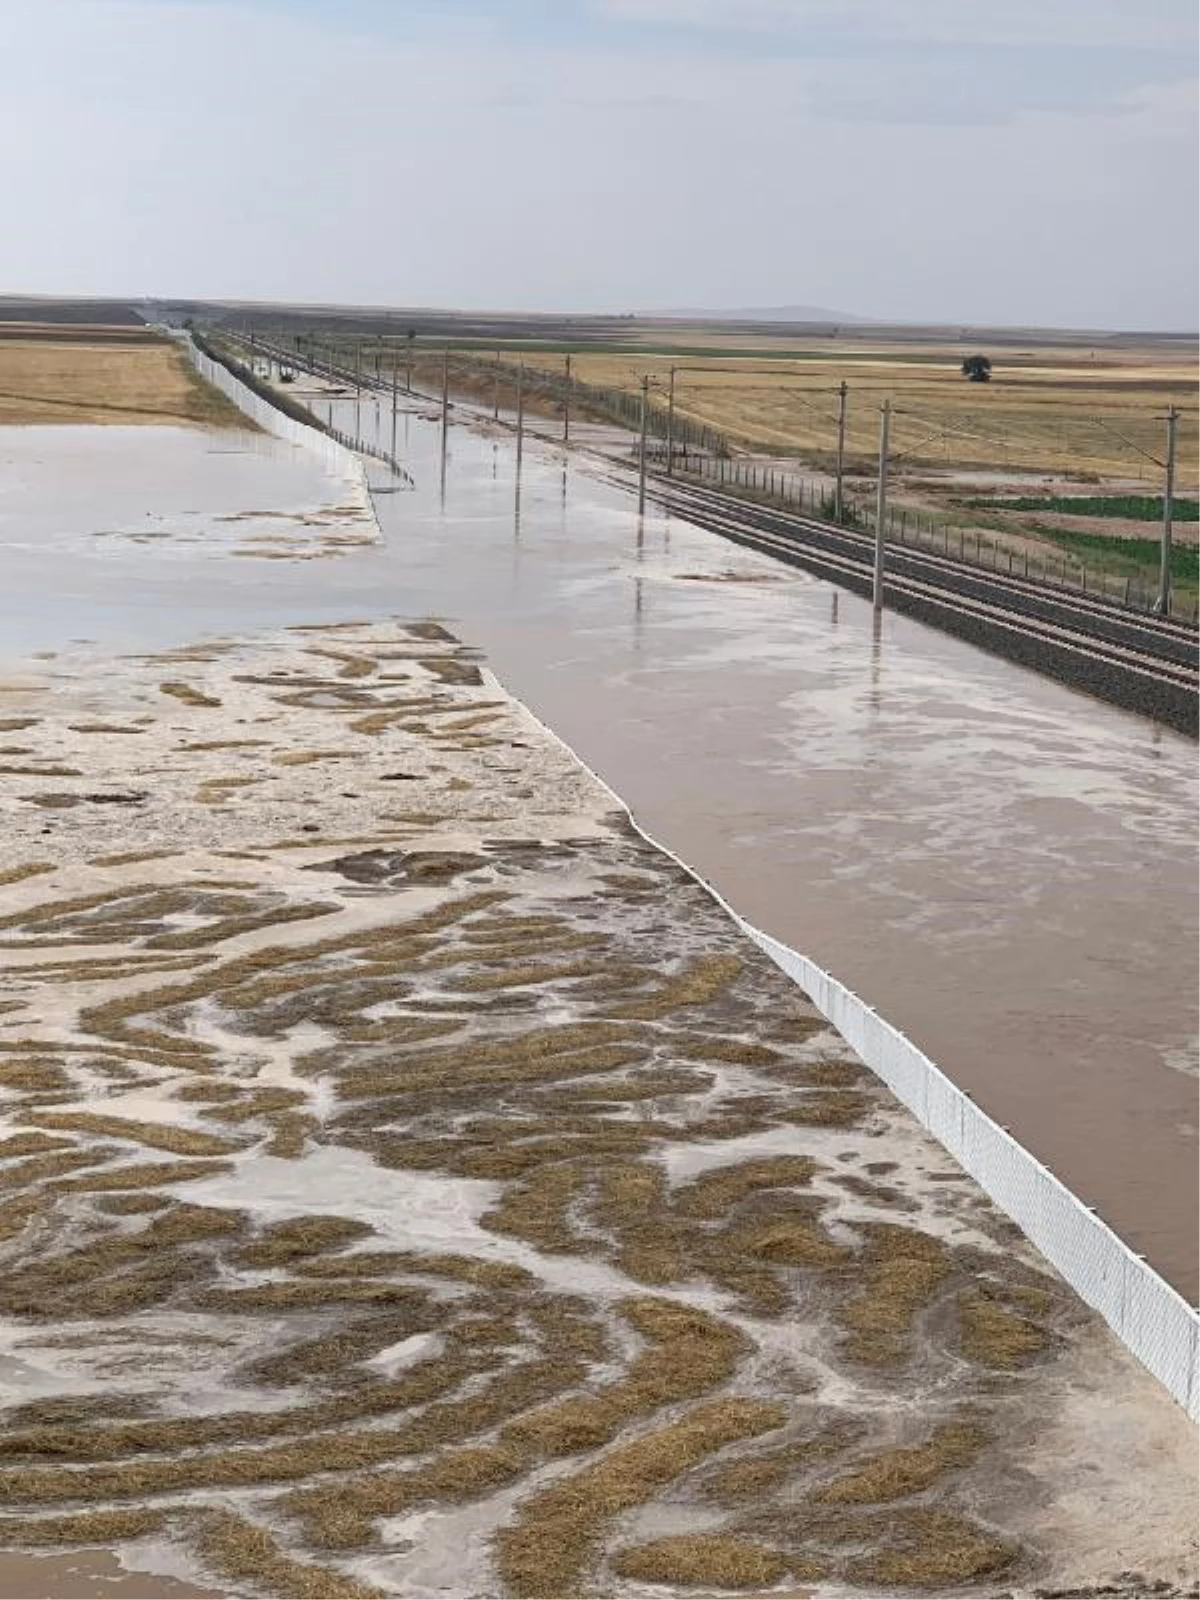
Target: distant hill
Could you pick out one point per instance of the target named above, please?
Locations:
(47, 308)
(759, 314)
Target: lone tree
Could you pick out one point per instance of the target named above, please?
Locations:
(978, 369)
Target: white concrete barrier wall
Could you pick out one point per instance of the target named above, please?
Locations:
(341, 461)
(1147, 1315)
(1154, 1322)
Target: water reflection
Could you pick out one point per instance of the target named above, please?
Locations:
(956, 837)
(1005, 868)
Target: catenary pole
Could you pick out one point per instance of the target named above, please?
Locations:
(642, 447)
(839, 481)
(885, 417)
(1163, 603)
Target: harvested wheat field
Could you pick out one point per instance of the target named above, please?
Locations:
(1090, 416)
(56, 373)
(412, 1183)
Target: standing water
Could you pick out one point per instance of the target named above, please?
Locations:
(1003, 867)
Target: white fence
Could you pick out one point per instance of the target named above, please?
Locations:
(1153, 1321)
(1147, 1315)
(345, 463)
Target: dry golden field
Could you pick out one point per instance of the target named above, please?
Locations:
(1057, 461)
(1066, 413)
(100, 374)
(1002, 464)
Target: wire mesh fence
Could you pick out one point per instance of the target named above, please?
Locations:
(988, 449)
(970, 545)
(1154, 1322)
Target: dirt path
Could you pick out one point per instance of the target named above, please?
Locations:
(411, 1183)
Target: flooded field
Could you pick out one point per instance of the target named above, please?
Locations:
(1006, 868)
(88, 1575)
(411, 1182)
(97, 497)
(1003, 867)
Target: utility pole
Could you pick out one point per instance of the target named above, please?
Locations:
(445, 387)
(1162, 605)
(395, 397)
(496, 391)
(520, 413)
(838, 497)
(642, 447)
(408, 366)
(357, 391)
(885, 417)
(567, 400)
(671, 425)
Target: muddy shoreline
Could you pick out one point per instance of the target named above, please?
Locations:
(414, 1184)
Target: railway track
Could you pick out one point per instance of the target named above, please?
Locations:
(1144, 663)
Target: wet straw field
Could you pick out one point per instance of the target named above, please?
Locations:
(411, 1182)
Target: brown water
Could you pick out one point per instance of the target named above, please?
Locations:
(1005, 868)
(86, 1575)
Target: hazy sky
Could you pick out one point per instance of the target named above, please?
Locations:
(953, 160)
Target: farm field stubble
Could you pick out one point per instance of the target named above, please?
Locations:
(103, 375)
(439, 1194)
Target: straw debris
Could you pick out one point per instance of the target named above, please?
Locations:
(892, 1474)
(550, 1546)
(993, 1334)
(903, 1269)
(188, 694)
(931, 1549)
(159, 1136)
(282, 1243)
(697, 985)
(702, 1561)
(243, 1552)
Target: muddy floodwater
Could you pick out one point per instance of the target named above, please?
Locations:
(87, 1575)
(1003, 867)
(80, 498)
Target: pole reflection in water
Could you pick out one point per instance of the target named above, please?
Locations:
(874, 689)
